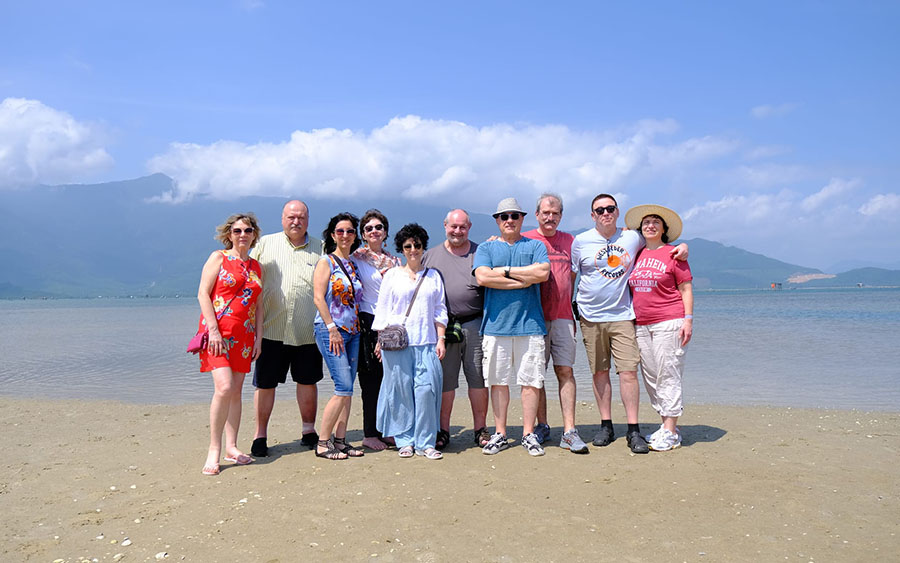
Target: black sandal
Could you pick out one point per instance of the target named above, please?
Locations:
(331, 452)
(482, 437)
(341, 445)
(442, 440)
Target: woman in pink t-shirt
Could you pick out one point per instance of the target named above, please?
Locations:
(663, 301)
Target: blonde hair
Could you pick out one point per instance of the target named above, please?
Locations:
(223, 231)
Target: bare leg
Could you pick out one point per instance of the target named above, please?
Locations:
(530, 398)
(340, 431)
(500, 404)
(603, 394)
(218, 413)
(330, 416)
(670, 423)
(566, 378)
(263, 402)
(542, 406)
(233, 422)
(479, 399)
(447, 399)
(308, 401)
(631, 394)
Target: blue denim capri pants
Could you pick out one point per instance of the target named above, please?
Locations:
(343, 367)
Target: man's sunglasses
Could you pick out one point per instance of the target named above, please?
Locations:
(508, 216)
(608, 209)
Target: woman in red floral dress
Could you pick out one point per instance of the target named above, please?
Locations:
(230, 286)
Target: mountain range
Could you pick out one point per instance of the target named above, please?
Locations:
(114, 239)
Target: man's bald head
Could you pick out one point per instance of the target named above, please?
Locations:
(295, 220)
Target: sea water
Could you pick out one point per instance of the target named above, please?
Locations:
(833, 348)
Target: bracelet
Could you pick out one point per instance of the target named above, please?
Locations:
(689, 317)
(330, 325)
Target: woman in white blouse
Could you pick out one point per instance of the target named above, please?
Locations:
(410, 396)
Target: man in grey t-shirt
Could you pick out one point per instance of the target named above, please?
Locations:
(453, 259)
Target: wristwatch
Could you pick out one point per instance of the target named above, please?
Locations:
(506, 272)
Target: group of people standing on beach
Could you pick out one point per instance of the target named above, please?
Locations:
(498, 312)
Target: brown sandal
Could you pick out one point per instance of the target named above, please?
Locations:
(341, 445)
(331, 452)
(482, 437)
(442, 440)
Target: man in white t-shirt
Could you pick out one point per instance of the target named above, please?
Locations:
(604, 257)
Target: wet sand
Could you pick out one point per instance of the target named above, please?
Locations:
(109, 481)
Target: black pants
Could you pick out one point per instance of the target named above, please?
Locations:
(370, 373)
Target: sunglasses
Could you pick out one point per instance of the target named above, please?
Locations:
(342, 232)
(608, 209)
(508, 216)
(378, 227)
(237, 231)
(411, 245)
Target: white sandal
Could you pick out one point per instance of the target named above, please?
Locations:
(430, 453)
(406, 451)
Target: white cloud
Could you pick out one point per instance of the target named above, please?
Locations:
(39, 144)
(881, 203)
(769, 175)
(416, 158)
(835, 187)
(769, 110)
(810, 230)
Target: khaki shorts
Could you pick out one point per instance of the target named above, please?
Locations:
(513, 360)
(560, 343)
(617, 338)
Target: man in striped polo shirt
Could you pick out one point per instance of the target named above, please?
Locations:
(288, 260)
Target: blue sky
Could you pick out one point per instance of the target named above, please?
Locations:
(772, 126)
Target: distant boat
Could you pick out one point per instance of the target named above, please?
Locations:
(776, 285)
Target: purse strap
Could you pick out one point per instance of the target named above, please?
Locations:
(349, 279)
(416, 292)
(227, 303)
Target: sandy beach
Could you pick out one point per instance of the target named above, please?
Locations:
(105, 481)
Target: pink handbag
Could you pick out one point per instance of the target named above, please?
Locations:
(198, 342)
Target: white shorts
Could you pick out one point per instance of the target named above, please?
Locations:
(513, 359)
(560, 343)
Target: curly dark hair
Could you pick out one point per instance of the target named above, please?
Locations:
(327, 238)
(411, 231)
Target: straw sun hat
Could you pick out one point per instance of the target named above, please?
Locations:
(636, 214)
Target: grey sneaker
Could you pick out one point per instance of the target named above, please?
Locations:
(497, 444)
(572, 441)
(542, 431)
(531, 444)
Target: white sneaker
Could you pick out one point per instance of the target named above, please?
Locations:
(664, 440)
(531, 445)
(652, 436)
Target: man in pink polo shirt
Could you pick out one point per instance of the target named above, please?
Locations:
(556, 302)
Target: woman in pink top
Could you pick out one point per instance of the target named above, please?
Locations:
(663, 301)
